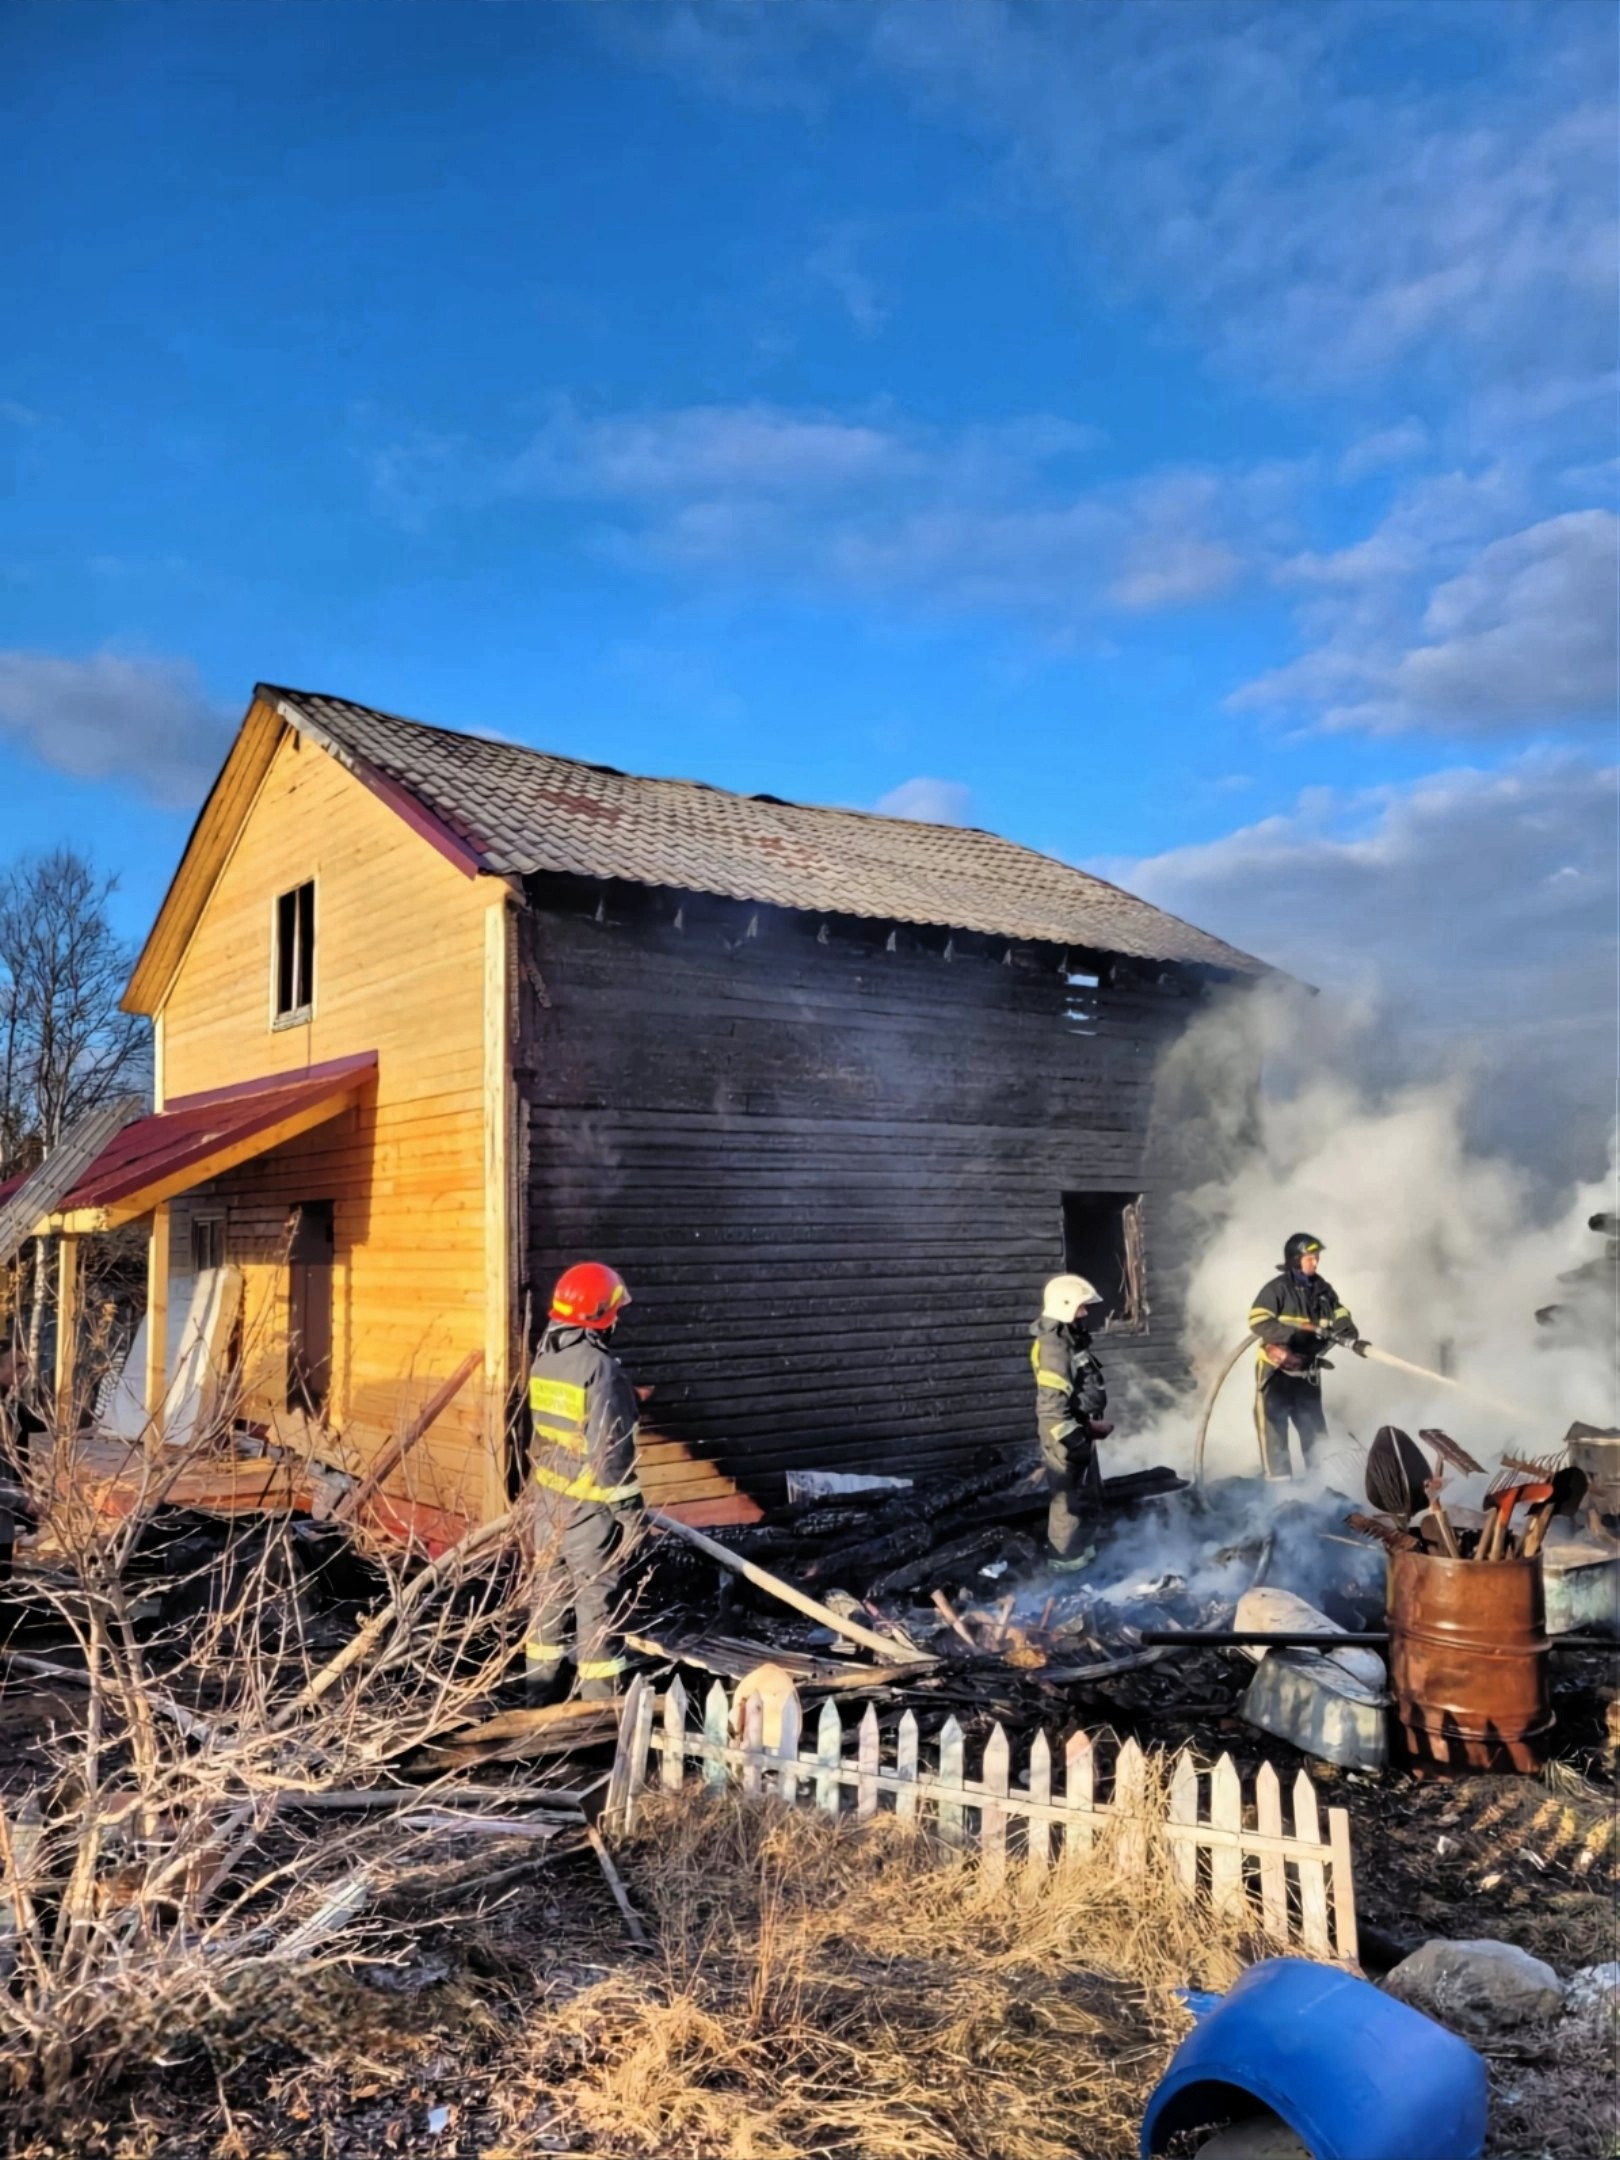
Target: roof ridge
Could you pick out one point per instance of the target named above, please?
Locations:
(622, 772)
(526, 812)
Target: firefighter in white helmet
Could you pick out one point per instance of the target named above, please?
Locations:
(1069, 1401)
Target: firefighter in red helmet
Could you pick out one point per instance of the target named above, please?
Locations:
(583, 1411)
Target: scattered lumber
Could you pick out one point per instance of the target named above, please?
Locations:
(885, 1647)
(562, 1728)
(732, 1657)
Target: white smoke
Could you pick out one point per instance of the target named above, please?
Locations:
(1444, 1255)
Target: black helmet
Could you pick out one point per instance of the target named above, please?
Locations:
(1298, 1245)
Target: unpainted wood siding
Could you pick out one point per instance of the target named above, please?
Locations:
(401, 958)
(831, 1172)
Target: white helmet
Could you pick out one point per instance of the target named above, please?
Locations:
(1066, 1298)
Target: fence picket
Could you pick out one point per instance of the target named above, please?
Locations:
(1226, 1855)
(753, 1740)
(1130, 1810)
(1184, 1809)
(1079, 1790)
(905, 1769)
(1313, 1918)
(1326, 1924)
(866, 1761)
(674, 1764)
(1344, 1895)
(829, 1757)
(616, 1807)
(950, 1779)
(1038, 1839)
(1273, 1868)
(640, 1749)
(787, 1747)
(996, 1777)
(716, 1731)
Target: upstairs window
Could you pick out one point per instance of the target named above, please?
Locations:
(293, 983)
(1102, 1240)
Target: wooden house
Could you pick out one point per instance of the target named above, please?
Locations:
(434, 1014)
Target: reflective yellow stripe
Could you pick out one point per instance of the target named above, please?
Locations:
(1052, 1380)
(564, 1398)
(1293, 1319)
(1260, 1312)
(1341, 1312)
(1062, 1429)
(606, 1668)
(570, 1438)
(545, 1653)
(585, 1487)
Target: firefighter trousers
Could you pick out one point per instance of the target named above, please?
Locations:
(1074, 1480)
(1282, 1399)
(577, 1547)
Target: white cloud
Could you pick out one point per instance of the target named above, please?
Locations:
(1397, 445)
(929, 802)
(1422, 627)
(1477, 908)
(991, 517)
(113, 716)
(835, 262)
(1236, 163)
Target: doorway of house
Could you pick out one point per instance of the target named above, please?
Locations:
(309, 1309)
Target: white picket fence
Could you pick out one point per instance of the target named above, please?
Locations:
(1295, 1883)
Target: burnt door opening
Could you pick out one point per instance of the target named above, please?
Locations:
(1102, 1240)
(309, 1309)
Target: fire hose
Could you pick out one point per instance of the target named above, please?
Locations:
(1367, 1350)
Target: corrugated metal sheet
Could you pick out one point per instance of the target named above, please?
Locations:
(42, 1191)
(524, 811)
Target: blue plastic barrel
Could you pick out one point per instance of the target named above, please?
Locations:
(1357, 2075)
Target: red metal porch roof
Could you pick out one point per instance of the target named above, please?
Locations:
(198, 1136)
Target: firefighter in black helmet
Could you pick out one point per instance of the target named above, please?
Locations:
(1295, 1319)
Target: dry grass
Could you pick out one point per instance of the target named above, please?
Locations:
(818, 1991)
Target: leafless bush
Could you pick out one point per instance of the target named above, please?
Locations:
(193, 1842)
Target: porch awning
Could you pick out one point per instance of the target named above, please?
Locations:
(198, 1137)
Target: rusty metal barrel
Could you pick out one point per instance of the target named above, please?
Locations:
(1468, 1662)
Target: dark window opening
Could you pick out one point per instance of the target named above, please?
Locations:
(295, 953)
(309, 1309)
(1102, 1240)
(207, 1243)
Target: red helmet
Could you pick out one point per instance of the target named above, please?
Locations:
(589, 1295)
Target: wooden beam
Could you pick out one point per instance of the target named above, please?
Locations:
(395, 1451)
(499, 1106)
(67, 1330)
(157, 1320)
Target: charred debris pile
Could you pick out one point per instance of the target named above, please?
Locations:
(955, 1573)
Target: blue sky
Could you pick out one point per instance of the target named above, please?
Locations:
(1181, 438)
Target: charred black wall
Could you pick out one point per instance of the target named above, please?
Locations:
(832, 1172)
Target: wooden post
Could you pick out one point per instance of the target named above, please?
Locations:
(1273, 1868)
(674, 1765)
(867, 1746)
(996, 1777)
(829, 1757)
(1226, 1854)
(1079, 1788)
(787, 1748)
(1038, 1842)
(950, 1781)
(1130, 1810)
(67, 1329)
(1313, 1906)
(716, 1732)
(1184, 1809)
(157, 1321)
(905, 1769)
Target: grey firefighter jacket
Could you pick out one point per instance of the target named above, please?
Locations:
(584, 1415)
(1068, 1389)
(1288, 1306)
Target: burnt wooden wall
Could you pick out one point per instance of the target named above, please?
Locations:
(831, 1172)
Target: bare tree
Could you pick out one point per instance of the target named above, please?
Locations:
(65, 1046)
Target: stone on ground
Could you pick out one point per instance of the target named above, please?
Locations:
(1478, 1988)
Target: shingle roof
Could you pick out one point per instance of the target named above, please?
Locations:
(524, 811)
